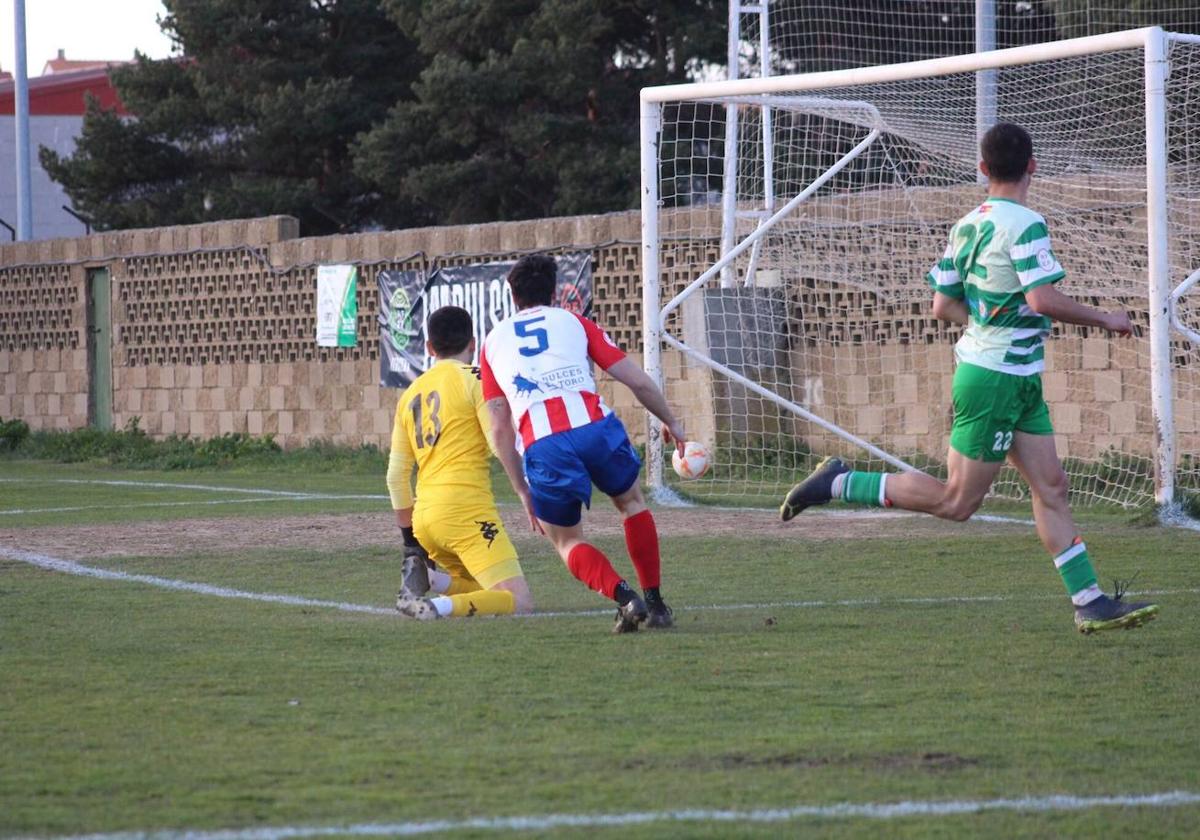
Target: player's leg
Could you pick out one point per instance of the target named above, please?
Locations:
(483, 575)
(1035, 456)
(559, 487)
(967, 483)
(986, 408)
(615, 468)
(589, 565)
(641, 541)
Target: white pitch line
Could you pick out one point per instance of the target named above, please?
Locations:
(218, 488)
(882, 811)
(70, 567)
(307, 498)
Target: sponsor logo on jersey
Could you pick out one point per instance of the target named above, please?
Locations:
(525, 386)
(567, 378)
(1045, 259)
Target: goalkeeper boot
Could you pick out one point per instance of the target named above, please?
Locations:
(630, 614)
(1106, 613)
(409, 606)
(414, 579)
(658, 615)
(817, 489)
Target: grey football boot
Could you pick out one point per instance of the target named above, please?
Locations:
(631, 615)
(817, 489)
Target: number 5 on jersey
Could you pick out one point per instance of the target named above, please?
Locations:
(538, 334)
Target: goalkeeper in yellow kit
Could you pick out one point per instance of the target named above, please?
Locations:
(441, 427)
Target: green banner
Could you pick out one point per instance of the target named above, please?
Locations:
(337, 305)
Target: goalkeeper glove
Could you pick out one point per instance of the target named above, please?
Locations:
(414, 549)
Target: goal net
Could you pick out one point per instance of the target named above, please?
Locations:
(788, 224)
(805, 36)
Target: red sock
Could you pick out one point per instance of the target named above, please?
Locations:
(590, 566)
(641, 538)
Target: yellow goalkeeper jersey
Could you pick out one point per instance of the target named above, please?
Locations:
(441, 426)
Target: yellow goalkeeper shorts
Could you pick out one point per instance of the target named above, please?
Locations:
(467, 541)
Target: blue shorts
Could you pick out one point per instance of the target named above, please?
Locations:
(562, 467)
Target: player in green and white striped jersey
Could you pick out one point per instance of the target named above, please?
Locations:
(997, 277)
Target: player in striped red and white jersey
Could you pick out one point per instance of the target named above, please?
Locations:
(556, 437)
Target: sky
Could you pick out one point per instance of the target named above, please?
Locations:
(85, 29)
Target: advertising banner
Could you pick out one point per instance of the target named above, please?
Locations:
(337, 305)
(406, 299)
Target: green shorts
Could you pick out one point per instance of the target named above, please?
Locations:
(989, 406)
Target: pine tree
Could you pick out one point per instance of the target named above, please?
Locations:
(256, 118)
(529, 108)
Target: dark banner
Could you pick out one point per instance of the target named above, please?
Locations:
(406, 298)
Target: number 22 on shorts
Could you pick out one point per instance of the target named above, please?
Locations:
(1003, 442)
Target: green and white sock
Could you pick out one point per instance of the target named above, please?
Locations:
(1078, 574)
(864, 488)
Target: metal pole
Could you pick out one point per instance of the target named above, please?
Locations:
(1158, 266)
(985, 80)
(729, 179)
(651, 124)
(21, 89)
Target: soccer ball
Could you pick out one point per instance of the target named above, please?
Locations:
(694, 462)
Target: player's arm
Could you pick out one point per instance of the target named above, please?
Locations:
(946, 308)
(483, 414)
(650, 396)
(949, 296)
(1049, 301)
(604, 351)
(504, 443)
(399, 483)
(1039, 270)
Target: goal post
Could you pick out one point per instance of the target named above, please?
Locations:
(806, 332)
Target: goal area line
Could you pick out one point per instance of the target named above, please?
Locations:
(70, 567)
(882, 811)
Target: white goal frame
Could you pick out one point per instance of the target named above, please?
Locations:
(766, 91)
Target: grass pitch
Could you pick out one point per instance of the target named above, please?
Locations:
(932, 666)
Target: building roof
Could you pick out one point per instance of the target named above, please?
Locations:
(64, 93)
(61, 64)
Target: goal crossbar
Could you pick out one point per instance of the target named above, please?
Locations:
(927, 68)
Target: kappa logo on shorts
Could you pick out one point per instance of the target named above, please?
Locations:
(487, 530)
(471, 609)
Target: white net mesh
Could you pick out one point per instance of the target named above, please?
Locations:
(809, 35)
(837, 318)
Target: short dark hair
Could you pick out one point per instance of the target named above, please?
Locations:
(450, 330)
(1006, 149)
(533, 280)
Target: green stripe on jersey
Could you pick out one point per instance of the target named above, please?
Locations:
(1003, 333)
(1034, 232)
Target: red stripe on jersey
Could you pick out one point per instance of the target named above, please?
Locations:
(600, 348)
(526, 430)
(556, 413)
(592, 402)
(491, 388)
